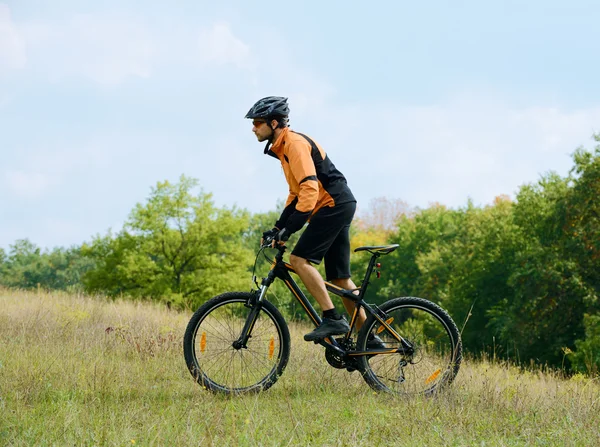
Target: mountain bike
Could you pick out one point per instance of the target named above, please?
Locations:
(238, 342)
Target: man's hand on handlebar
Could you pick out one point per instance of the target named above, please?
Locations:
(274, 236)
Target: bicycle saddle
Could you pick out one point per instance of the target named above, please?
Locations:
(380, 249)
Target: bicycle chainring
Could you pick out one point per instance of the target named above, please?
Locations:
(337, 361)
(334, 359)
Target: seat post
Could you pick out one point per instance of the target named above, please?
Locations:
(363, 287)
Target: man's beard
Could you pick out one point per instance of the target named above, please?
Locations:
(266, 137)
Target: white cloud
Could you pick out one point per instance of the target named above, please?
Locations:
(27, 184)
(12, 44)
(475, 146)
(220, 46)
(41, 171)
(106, 49)
(111, 49)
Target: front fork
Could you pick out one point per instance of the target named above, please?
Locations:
(255, 304)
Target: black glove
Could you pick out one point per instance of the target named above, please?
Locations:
(270, 234)
(283, 235)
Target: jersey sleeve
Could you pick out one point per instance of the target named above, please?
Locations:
(290, 207)
(303, 169)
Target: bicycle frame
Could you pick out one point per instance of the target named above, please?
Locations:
(282, 270)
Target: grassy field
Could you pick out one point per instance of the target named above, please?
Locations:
(67, 379)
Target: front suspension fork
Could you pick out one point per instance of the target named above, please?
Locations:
(255, 305)
(248, 326)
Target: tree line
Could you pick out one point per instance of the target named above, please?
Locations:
(522, 277)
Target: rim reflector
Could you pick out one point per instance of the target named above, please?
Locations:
(432, 377)
(380, 329)
(271, 347)
(203, 342)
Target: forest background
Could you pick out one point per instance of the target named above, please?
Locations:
(520, 277)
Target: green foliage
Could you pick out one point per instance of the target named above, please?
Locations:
(257, 224)
(582, 217)
(556, 276)
(545, 311)
(24, 266)
(177, 247)
(521, 275)
(27, 267)
(419, 236)
(587, 356)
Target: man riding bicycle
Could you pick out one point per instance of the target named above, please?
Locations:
(318, 194)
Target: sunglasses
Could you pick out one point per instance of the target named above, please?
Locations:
(258, 123)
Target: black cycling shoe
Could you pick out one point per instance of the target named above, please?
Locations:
(328, 327)
(374, 342)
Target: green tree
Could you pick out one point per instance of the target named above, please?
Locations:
(587, 356)
(28, 267)
(24, 265)
(556, 274)
(3, 263)
(460, 259)
(538, 318)
(582, 230)
(524, 274)
(177, 247)
(471, 272)
(582, 218)
(418, 235)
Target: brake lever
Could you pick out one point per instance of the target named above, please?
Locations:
(267, 242)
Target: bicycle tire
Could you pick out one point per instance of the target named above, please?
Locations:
(437, 348)
(213, 361)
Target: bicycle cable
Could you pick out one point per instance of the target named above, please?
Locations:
(262, 250)
(254, 268)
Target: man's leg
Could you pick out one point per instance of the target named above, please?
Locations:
(373, 341)
(348, 284)
(332, 323)
(313, 281)
(322, 231)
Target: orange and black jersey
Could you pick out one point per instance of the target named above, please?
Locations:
(314, 182)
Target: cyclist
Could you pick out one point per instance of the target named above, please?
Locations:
(318, 194)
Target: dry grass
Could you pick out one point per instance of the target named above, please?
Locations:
(76, 370)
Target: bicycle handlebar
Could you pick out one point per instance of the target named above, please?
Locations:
(268, 243)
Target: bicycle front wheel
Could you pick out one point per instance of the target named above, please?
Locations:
(215, 360)
(428, 360)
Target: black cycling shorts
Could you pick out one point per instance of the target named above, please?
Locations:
(328, 236)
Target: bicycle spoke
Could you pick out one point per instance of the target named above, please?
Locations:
(434, 338)
(251, 367)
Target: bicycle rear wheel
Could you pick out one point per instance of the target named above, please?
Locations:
(435, 352)
(217, 364)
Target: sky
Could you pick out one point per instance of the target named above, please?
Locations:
(424, 102)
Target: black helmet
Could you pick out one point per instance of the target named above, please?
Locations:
(271, 106)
